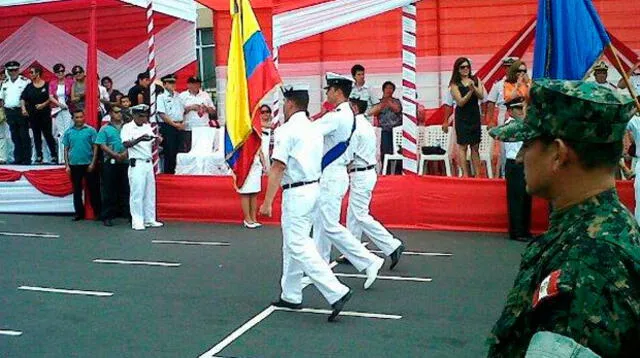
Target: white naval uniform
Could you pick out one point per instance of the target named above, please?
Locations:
(10, 92)
(496, 95)
(634, 127)
(364, 93)
(362, 151)
(142, 181)
(299, 147)
(336, 127)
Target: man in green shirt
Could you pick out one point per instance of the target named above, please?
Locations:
(580, 281)
(115, 180)
(80, 156)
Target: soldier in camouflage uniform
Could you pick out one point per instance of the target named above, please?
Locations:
(581, 279)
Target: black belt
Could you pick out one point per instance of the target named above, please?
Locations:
(300, 183)
(12, 108)
(362, 169)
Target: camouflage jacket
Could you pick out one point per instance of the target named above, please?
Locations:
(581, 279)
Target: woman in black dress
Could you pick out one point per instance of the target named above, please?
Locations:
(467, 90)
(35, 105)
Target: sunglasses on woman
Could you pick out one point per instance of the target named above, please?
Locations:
(464, 67)
(265, 111)
(522, 71)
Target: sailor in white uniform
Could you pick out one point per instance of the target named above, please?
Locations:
(297, 155)
(137, 136)
(601, 73)
(337, 128)
(362, 153)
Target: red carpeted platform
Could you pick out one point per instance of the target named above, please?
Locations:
(407, 202)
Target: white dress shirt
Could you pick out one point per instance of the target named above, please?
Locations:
(362, 148)
(10, 91)
(195, 118)
(299, 147)
(336, 127)
(131, 131)
(171, 105)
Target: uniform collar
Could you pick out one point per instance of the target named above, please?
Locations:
(568, 216)
(297, 117)
(343, 106)
(361, 116)
(364, 85)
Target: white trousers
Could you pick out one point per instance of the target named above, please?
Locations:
(299, 254)
(327, 229)
(62, 122)
(359, 218)
(142, 200)
(5, 137)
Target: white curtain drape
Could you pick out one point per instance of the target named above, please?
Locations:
(301, 23)
(22, 197)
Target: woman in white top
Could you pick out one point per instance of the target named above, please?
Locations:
(59, 96)
(253, 184)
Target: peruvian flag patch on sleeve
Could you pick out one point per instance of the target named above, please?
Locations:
(548, 288)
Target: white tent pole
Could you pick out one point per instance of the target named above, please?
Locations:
(409, 88)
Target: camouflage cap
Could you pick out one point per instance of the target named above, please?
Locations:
(574, 110)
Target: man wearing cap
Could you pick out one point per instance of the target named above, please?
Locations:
(600, 73)
(581, 279)
(4, 127)
(197, 104)
(518, 200)
(137, 136)
(171, 111)
(297, 155)
(140, 93)
(115, 183)
(337, 127)
(362, 153)
(10, 94)
(496, 95)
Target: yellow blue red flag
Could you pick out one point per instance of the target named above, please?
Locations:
(251, 75)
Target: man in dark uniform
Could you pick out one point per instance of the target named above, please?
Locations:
(579, 283)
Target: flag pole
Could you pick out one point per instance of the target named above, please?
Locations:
(625, 78)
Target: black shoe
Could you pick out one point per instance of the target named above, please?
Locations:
(54, 161)
(395, 256)
(284, 304)
(522, 238)
(78, 218)
(38, 160)
(339, 305)
(108, 222)
(343, 261)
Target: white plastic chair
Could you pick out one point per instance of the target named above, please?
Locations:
(206, 156)
(433, 136)
(397, 146)
(486, 150)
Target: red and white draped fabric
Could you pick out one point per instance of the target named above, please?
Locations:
(57, 31)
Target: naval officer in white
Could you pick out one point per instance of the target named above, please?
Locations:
(296, 159)
(337, 127)
(362, 153)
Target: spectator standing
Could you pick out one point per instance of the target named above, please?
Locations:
(78, 89)
(171, 112)
(361, 90)
(496, 96)
(389, 112)
(137, 136)
(250, 190)
(518, 200)
(517, 83)
(4, 127)
(114, 94)
(197, 107)
(80, 157)
(115, 182)
(139, 94)
(125, 106)
(35, 105)
(10, 94)
(467, 90)
(266, 120)
(59, 98)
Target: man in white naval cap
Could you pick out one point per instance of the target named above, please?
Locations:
(362, 153)
(337, 127)
(137, 136)
(601, 73)
(296, 159)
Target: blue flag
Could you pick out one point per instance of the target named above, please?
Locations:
(569, 38)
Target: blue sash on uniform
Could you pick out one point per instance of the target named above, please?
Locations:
(338, 150)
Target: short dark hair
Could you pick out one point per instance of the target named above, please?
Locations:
(361, 105)
(58, 67)
(76, 111)
(388, 83)
(356, 68)
(593, 155)
(125, 97)
(300, 100)
(106, 78)
(345, 87)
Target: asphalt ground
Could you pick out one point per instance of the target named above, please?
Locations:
(186, 310)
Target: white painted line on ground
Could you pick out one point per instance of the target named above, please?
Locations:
(211, 353)
(343, 313)
(413, 253)
(178, 242)
(391, 278)
(27, 234)
(139, 263)
(67, 291)
(8, 332)
(306, 281)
